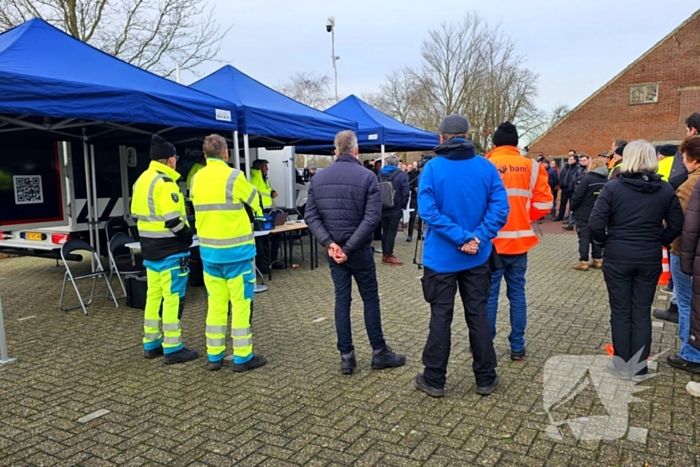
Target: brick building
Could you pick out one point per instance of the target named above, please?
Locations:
(650, 99)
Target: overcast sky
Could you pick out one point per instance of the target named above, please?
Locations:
(575, 47)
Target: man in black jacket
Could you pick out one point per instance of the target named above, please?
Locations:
(413, 175)
(391, 215)
(342, 210)
(566, 180)
(582, 204)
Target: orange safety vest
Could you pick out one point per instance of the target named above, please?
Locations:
(529, 196)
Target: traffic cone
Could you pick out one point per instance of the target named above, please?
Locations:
(665, 269)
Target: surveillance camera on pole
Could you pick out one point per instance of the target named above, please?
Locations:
(330, 27)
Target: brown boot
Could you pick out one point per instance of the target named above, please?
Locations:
(581, 266)
(596, 263)
(391, 259)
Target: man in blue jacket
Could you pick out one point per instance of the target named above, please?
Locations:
(464, 204)
(342, 210)
(391, 215)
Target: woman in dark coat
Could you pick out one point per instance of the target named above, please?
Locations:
(689, 326)
(634, 216)
(582, 204)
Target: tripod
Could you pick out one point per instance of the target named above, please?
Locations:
(419, 231)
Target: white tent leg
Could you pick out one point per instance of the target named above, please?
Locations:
(382, 155)
(246, 149)
(236, 151)
(4, 358)
(95, 214)
(88, 194)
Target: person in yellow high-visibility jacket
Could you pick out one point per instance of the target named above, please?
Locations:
(666, 154)
(159, 209)
(258, 177)
(227, 248)
(199, 165)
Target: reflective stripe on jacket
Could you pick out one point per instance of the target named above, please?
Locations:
(529, 197)
(218, 196)
(263, 187)
(157, 201)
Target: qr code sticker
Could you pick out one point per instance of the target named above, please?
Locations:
(28, 189)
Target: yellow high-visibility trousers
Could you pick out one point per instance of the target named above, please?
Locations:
(167, 284)
(229, 283)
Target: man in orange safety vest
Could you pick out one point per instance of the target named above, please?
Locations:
(530, 199)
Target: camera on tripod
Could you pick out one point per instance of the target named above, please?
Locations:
(424, 160)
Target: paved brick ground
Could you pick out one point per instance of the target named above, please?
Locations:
(299, 410)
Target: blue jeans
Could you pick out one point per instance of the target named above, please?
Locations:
(514, 268)
(684, 293)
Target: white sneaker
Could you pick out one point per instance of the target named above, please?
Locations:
(693, 389)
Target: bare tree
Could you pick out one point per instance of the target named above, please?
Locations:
(311, 89)
(156, 35)
(467, 68)
(533, 123)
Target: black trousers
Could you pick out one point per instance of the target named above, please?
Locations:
(412, 221)
(554, 202)
(566, 196)
(439, 290)
(631, 289)
(378, 232)
(585, 241)
(390, 226)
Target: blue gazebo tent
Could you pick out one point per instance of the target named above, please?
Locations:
(378, 132)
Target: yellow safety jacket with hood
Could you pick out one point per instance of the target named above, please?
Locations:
(218, 195)
(159, 209)
(262, 184)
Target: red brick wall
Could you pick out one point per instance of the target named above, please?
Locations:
(674, 64)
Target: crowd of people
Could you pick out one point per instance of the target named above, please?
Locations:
(627, 206)
(478, 212)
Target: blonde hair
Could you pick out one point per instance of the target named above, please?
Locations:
(214, 146)
(595, 163)
(639, 157)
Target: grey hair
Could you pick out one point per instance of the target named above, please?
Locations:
(391, 160)
(214, 145)
(639, 157)
(346, 142)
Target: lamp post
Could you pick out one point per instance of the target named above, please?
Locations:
(330, 27)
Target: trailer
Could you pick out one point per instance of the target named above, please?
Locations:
(44, 195)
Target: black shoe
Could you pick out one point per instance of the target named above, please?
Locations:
(181, 356)
(667, 289)
(670, 315)
(557, 219)
(421, 385)
(348, 363)
(409, 239)
(518, 356)
(682, 364)
(216, 366)
(488, 390)
(256, 362)
(568, 227)
(387, 359)
(278, 265)
(153, 353)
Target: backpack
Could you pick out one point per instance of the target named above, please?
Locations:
(387, 192)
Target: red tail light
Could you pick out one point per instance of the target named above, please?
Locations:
(60, 239)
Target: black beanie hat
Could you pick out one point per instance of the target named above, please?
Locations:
(160, 148)
(668, 150)
(506, 135)
(620, 149)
